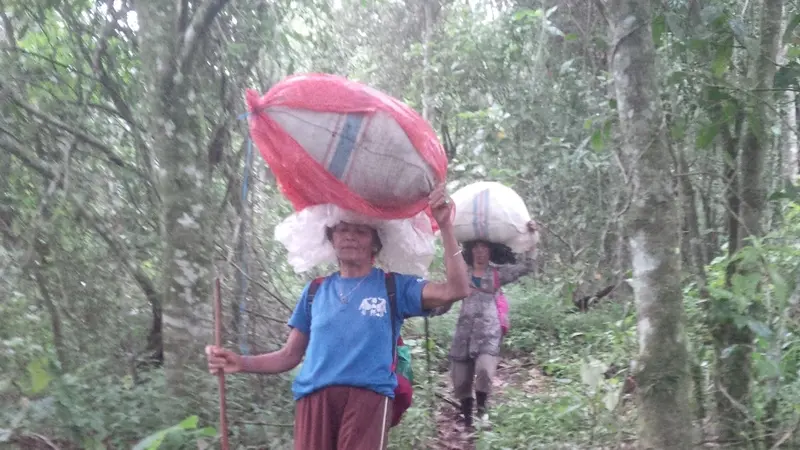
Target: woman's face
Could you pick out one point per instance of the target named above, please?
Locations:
(480, 253)
(353, 243)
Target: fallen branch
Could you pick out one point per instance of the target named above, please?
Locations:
(785, 437)
(448, 400)
(584, 303)
(44, 439)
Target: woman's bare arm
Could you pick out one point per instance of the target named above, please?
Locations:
(283, 360)
(456, 286)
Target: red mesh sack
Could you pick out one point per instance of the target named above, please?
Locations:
(331, 140)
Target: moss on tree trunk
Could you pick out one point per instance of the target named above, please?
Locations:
(662, 373)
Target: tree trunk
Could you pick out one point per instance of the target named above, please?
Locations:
(662, 368)
(426, 58)
(697, 259)
(790, 165)
(695, 244)
(722, 329)
(793, 152)
(734, 369)
(56, 326)
(171, 40)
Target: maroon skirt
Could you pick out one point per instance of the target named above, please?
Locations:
(342, 418)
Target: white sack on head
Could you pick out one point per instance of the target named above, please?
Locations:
(408, 246)
(492, 212)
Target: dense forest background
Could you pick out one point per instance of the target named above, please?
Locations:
(654, 141)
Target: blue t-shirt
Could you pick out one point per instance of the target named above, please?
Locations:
(350, 342)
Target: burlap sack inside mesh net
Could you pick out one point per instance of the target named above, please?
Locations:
(370, 153)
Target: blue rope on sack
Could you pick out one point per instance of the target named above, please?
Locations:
(243, 279)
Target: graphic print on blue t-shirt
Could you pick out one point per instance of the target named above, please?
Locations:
(350, 342)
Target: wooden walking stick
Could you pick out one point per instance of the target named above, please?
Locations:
(223, 420)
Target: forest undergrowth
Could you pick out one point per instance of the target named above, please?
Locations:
(553, 387)
(563, 383)
(558, 385)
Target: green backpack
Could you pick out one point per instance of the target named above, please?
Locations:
(404, 361)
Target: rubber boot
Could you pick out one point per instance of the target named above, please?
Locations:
(466, 411)
(481, 397)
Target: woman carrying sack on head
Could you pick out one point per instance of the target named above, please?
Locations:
(475, 350)
(346, 386)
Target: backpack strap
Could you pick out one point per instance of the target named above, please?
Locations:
(496, 274)
(391, 292)
(312, 291)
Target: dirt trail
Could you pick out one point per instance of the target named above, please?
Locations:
(522, 375)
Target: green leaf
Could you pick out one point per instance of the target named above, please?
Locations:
(779, 284)
(607, 129)
(746, 284)
(154, 441)
(208, 432)
(706, 136)
(786, 76)
(659, 26)
(571, 37)
(677, 77)
(729, 110)
(722, 59)
(791, 193)
(39, 376)
(713, 16)
(597, 142)
(719, 293)
(528, 13)
(678, 130)
(92, 444)
(674, 23)
(430, 344)
(766, 368)
(189, 423)
(779, 195)
(790, 26)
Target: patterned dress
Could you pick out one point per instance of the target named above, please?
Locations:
(478, 328)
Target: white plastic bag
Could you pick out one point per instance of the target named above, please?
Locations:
(408, 244)
(492, 212)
